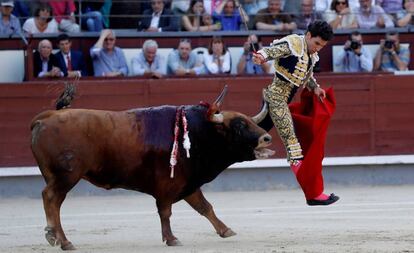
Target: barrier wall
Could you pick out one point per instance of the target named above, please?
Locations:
(374, 111)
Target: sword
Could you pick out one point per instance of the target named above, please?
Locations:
(245, 24)
(247, 29)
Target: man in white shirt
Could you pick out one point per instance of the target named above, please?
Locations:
(158, 19)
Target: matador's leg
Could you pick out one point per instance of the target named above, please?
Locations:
(277, 95)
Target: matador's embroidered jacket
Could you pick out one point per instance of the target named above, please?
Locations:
(292, 63)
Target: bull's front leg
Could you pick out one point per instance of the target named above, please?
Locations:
(201, 205)
(164, 210)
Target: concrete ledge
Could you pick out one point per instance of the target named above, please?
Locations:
(266, 163)
(261, 175)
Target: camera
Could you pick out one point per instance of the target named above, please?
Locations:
(254, 47)
(355, 45)
(389, 44)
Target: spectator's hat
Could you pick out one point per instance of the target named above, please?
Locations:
(7, 3)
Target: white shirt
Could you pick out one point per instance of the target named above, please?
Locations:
(44, 68)
(30, 27)
(213, 68)
(155, 21)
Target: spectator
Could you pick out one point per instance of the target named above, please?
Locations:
(390, 55)
(158, 19)
(64, 11)
(9, 24)
(180, 7)
(324, 5)
(339, 16)
(71, 62)
(230, 15)
(45, 63)
(246, 64)
(406, 16)
(292, 7)
(197, 19)
(218, 60)
(148, 62)
(307, 15)
(42, 22)
(369, 16)
(390, 6)
(273, 19)
(22, 10)
(182, 61)
(355, 57)
(253, 6)
(95, 15)
(207, 20)
(108, 60)
(211, 5)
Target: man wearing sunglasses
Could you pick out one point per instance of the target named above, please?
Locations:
(108, 60)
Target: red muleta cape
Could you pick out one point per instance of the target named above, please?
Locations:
(311, 120)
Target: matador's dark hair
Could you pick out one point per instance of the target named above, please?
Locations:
(320, 28)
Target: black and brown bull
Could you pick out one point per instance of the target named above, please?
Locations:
(131, 150)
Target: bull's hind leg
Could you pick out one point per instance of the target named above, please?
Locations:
(164, 210)
(53, 196)
(201, 205)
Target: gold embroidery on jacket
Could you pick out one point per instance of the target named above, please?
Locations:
(278, 50)
(277, 95)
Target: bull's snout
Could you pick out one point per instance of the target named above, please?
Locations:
(265, 140)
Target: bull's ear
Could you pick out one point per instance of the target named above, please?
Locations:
(213, 113)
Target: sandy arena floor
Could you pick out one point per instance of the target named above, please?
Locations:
(372, 219)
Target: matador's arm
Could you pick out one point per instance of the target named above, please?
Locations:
(275, 51)
(312, 84)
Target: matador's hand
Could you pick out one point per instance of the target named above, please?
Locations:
(320, 93)
(258, 58)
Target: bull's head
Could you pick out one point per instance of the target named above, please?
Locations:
(243, 136)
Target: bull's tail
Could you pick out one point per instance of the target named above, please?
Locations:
(66, 97)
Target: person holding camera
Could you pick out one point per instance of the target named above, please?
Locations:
(246, 64)
(355, 57)
(390, 55)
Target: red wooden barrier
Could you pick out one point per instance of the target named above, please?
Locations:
(374, 113)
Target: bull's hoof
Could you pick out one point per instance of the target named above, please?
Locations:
(67, 246)
(50, 237)
(174, 242)
(227, 233)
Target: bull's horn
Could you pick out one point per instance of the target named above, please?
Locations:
(262, 114)
(217, 118)
(220, 98)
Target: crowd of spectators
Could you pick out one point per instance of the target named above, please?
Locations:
(69, 16)
(51, 16)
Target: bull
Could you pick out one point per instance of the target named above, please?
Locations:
(132, 150)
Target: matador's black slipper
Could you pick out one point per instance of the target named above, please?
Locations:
(314, 202)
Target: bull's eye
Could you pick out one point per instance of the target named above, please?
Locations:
(242, 125)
